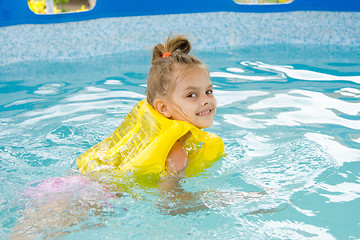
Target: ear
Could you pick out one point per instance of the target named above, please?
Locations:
(161, 106)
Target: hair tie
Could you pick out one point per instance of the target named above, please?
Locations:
(166, 54)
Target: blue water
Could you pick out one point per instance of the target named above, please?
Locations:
(289, 116)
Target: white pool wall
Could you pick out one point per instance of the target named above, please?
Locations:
(206, 30)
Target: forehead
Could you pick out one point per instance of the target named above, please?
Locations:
(193, 76)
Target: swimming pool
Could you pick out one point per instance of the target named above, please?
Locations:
(288, 112)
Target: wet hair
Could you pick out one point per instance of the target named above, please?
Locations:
(166, 69)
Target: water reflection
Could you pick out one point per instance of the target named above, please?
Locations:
(279, 72)
(281, 134)
(302, 74)
(312, 107)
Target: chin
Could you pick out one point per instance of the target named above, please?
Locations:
(204, 125)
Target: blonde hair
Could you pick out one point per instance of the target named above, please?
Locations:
(166, 69)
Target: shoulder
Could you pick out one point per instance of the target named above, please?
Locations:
(177, 158)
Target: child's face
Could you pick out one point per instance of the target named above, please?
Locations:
(192, 99)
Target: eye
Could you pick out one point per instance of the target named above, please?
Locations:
(191, 95)
(208, 92)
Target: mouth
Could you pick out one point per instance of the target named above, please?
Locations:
(205, 113)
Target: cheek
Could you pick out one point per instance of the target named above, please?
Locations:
(189, 110)
(214, 103)
(182, 113)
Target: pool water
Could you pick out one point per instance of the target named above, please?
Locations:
(288, 114)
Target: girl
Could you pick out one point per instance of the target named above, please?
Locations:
(162, 135)
(179, 88)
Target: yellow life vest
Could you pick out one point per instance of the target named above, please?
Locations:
(142, 142)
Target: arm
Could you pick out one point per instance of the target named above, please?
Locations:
(174, 199)
(176, 163)
(177, 201)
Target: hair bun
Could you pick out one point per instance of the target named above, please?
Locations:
(177, 44)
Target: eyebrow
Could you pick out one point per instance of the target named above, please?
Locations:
(195, 88)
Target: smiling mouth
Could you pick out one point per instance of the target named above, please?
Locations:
(204, 113)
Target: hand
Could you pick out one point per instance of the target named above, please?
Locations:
(229, 198)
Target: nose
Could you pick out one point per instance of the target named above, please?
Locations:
(205, 100)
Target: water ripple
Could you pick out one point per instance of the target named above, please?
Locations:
(312, 107)
(342, 192)
(92, 99)
(280, 72)
(340, 153)
(302, 74)
(225, 98)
